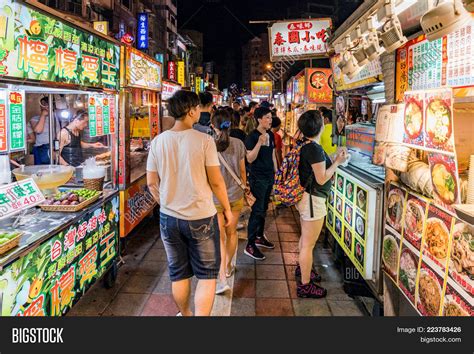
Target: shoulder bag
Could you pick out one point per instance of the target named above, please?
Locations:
(249, 197)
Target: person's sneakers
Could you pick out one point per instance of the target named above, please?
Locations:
(222, 287)
(253, 252)
(179, 314)
(263, 242)
(314, 277)
(311, 291)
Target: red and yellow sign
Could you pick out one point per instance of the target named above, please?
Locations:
(262, 89)
(135, 204)
(319, 85)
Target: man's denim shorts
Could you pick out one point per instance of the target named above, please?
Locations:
(192, 247)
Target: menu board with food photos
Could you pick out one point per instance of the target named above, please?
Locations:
(351, 220)
(432, 259)
(445, 178)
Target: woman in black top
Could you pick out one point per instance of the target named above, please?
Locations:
(70, 142)
(316, 170)
(236, 132)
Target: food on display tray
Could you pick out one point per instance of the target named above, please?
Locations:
(390, 254)
(429, 293)
(71, 200)
(9, 240)
(396, 200)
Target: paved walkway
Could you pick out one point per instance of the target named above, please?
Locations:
(266, 288)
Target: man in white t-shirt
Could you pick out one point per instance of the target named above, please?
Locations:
(182, 174)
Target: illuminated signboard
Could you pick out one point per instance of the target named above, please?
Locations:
(142, 31)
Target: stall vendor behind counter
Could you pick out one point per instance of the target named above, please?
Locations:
(70, 142)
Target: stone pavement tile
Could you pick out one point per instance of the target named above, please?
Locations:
(245, 271)
(290, 272)
(274, 307)
(158, 244)
(288, 228)
(284, 212)
(244, 288)
(335, 291)
(292, 286)
(329, 274)
(163, 286)
(276, 249)
(271, 258)
(127, 305)
(275, 272)
(244, 259)
(272, 235)
(93, 303)
(140, 284)
(160, 305)
(271, 227)
(311, 307)
(151, 268)
(289, 236)
(242, 307)
(155, 255)
(345, 308)
(290, 258)
(289, 247)
(272, 289)
(285, 220)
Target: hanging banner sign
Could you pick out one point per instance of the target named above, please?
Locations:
(16, 117)
(169, 89)
(319, 85)
(36, 46)
(181, 73)
(172, 71)
(142, 36)
(299, 39)
(3, 123)
(143, 71)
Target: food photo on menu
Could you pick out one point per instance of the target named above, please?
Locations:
(360, 225)
(408, 270)
(445, 179)
(439, 121)
(348, 238)
(429, 291)
(413, 122)
(359, 252)
(457, 302)
(396, 207)
(361, 199)
(461, 262)
(390, 254)
(414, 221)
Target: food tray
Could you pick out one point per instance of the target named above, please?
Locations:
(7, 246)
(70, 208)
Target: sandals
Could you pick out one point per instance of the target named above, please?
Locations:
(231, 273)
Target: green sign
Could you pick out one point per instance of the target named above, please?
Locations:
(39, 47)
(92, 116)
(16, 113)
(106, 115)
(52, 278)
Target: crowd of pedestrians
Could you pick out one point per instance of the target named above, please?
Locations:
(208, 166)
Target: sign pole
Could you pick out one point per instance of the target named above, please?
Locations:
(51, 129)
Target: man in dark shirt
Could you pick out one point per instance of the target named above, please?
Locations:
(204, 123)
(260, 145)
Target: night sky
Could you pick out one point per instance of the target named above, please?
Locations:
(225, 24)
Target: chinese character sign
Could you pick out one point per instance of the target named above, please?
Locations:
(181, 73)
(50, 279)
(142, 34)
(3, 122)
(299, 39)
(19, 196)
(16, 118)
(143, 71)
(38, 47)
(262, 89)
(172, 71)
(169, 89)
(319, 85)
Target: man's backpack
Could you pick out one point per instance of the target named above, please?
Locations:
(287, 187)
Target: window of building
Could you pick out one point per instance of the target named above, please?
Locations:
(127, 4)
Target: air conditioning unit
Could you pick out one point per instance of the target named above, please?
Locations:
(445, 18)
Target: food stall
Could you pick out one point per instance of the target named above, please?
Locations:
(355, 207)
(429, 229)
(140, 103)
(57, 238)
(311, 89)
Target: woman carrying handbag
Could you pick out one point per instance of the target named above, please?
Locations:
(232, 154)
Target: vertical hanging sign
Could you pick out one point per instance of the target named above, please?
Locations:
(92, 117)
(99, 116)
(181, 73)
(106, 115)
(113, 112)
(172, 71)
(16, 117)
(142, 30)
(3, 123)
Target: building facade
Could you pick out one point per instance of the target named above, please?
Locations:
(255, 60)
